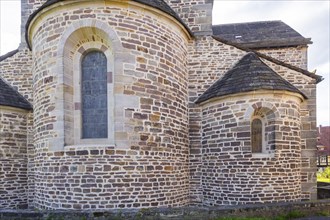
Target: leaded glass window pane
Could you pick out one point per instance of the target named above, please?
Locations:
(256, 136)
(94, 96)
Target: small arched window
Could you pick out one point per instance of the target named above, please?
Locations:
(94, 96)
(256, 135)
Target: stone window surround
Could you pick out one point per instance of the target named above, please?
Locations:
(265, 112)
(120, 56)
(80, 53)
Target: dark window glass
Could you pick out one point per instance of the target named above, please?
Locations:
(94, 96)
(256, 136)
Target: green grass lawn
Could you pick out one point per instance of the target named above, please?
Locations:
(289, 216)
(324, 176)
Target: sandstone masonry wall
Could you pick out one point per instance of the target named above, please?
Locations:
(31, 159)
(150, 163)
(107, 178)
(208, 52)
(13, 158)
(16, 70)
(197, 14)
(308, 128)
(148, 166)
(208, 61)
(231, 174)
(296, 56)
(27, 8)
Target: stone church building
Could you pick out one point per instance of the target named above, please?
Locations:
(144, 103)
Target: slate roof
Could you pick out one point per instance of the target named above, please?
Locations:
(249, 74)
(159, 4)
(10, 97)
(262, 34)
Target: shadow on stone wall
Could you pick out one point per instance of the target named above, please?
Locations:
(323, 190)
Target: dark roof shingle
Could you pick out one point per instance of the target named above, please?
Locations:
(262, 34)
(10, 97)
(249, 74)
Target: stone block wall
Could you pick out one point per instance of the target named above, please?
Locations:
(13, 158)
(219, 58)
(308, 133)
(16, 71)
(197, 14)
(208, 61)
(27, 8)
(231, 173)
(107, 178)
(158, 74)
(147, 165)
(296, 56)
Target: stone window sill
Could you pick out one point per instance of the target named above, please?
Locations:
(87, 146)
(262, 155)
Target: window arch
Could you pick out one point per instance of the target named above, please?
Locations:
(262, 125)
(94, 96)
(74, 45)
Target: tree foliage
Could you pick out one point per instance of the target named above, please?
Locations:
(325, 174)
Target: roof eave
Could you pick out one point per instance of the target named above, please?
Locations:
(276, 44)
(202, 101)
(27, 108)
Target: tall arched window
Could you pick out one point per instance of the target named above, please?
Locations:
(256, 135)
(94, 96)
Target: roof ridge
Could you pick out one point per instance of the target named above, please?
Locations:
(271, 59)
(27, 104)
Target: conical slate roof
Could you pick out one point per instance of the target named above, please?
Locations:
(249, 74)
(10, 97)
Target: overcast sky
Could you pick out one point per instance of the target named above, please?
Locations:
(309, 18)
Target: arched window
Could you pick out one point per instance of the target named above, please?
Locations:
(94, 96)
(256, 135)
(263, 125)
